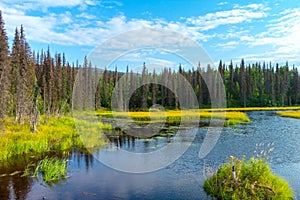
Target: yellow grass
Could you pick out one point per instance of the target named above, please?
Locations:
(59, 135)
(255, 108)
(179, 115)
(295, 114)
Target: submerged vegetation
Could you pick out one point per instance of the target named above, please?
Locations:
(251, 179)
(295, 114)
(50, 169)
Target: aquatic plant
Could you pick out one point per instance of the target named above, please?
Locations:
(252, 179)
(51, 170)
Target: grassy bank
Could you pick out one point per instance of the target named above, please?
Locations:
(251, 179)
(295, 114)
(172, 116)
(255, 108)
(59, 135)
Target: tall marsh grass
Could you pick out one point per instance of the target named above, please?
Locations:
(51, 170)
(58, 135)
(251, 179)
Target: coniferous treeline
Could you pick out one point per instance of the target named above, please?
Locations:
(257, 84)
(33, 83)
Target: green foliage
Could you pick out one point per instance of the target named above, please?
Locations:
(254, 180)
(51, 170)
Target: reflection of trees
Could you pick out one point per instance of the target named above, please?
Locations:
(79, 156)
(14, 187)
(146, 144)
(128, 142)
(89, 160)
(123, 141)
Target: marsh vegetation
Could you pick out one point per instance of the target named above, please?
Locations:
(293, 114)
(252, 179)
(50, 170)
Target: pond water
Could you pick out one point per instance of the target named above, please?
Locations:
(183, 179)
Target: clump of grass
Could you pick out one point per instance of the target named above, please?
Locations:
(51, 170)
(294, 114)
(251, 179)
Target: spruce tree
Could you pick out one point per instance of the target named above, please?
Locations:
(4, 71)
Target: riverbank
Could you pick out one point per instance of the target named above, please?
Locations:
(176, 180)
(177, 116)
(59, 135)
(255, 108)
(295, 114)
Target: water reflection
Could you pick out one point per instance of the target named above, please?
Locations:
(123, 140)
(90, 179)
(80, 158)
(13, 185)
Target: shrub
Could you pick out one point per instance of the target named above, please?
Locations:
(251, 179)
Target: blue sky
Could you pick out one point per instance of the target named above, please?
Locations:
(228, 30)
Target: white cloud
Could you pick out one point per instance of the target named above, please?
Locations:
(235, 16)
(283, 34)
(148, 58)
(79, 30)
(87, 29)
(222, 3)
(228, 45)
(86, 16)
(36, 4)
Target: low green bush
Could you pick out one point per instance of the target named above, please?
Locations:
(252, 179)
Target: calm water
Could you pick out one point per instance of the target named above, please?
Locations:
(183, 179)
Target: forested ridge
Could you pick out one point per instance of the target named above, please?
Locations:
(34, 83)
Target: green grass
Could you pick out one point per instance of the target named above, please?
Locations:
(51, 170)
(254, 180)
(60, 135)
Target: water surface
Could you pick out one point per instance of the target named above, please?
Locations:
(183, 179)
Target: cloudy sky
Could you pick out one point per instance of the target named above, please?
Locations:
(227, 30)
